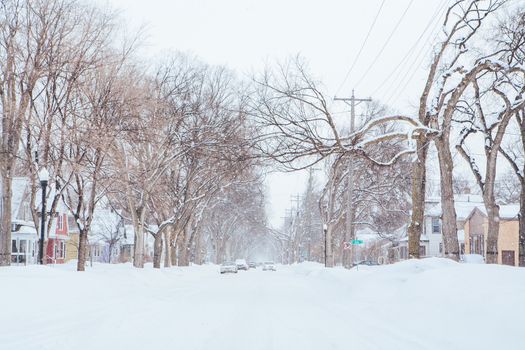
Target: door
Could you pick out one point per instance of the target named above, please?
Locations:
(507, 257)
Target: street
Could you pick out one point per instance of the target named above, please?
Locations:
(410, 305)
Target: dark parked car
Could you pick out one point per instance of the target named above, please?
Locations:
(228, 267)
(269, 266)
(366, 262)
(241, 264)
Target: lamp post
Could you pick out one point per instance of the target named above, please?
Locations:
(43, 176)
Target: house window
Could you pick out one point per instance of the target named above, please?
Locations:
(60, 250)
(436, 225)
(60, 222)
(19, 251)
(96, 251)
(477, 245)
(403, 252)
(422, 251)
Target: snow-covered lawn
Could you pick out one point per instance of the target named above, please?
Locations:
(426, 304)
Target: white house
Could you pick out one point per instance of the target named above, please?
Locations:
(431, 241)
(106, 235)
(24, 237)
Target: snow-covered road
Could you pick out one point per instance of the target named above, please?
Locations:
(428, 304)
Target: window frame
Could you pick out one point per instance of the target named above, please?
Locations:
(433, 224)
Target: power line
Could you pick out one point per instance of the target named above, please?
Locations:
(385, 44)
(412, 49)
(362, 47)
(416, 64)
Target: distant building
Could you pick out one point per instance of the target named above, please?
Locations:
(24, 237)
(431, 241)
(476, 228)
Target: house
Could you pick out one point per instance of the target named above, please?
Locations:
(431, 241)
(375, 247)
(72, 243)
(476, 227)
(58, 235)
(464, 204)
(127, 245)
(24, 236)
(105, 236)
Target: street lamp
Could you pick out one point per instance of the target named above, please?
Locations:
(43, 176)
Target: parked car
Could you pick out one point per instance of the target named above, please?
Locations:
(241, 264)
(229, 267)
(269, 266)
(365, 262)
(252, 264)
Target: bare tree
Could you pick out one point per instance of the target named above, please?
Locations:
(497, 96)
(299, 130)
(28, 31)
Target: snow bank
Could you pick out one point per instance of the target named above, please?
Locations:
(473, 259)
(417, 304)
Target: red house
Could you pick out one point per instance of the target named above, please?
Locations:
(56, 242)
(58, 235)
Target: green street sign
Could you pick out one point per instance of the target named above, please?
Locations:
(357, 241)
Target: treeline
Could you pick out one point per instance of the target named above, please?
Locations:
(471, 105)
(167, 143)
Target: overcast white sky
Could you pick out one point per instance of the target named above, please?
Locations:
(245, 34)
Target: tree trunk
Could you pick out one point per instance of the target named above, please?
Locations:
(138, 252)
(111, 245)
(449, 230)
(329, 259)
(5, 223)
(522, 225)
(348, 255)
(157, 250)
(184, 256)
(493, 232)
(167, 245)
(173, 254)
(82, 249)
(418, 199)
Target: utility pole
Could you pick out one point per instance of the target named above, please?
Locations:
(308, 210)
(350, 213)
(295, 228)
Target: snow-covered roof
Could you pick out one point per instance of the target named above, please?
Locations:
(509, 211)
(19, 189)
(105, 221)
(464, 204)
(130, 236)
(506, 212)
(423, 238)
(27, 230)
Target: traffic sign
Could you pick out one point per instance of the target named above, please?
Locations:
(348, 245)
